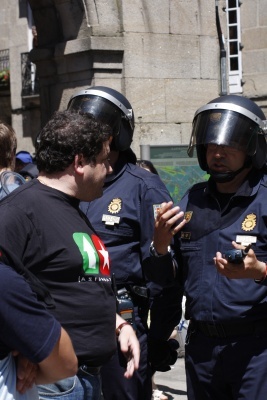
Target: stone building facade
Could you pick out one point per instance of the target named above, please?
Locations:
(163, 55)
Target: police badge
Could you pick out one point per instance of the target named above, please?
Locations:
(115, 206)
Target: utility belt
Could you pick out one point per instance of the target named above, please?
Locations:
(85, 369)
(225, 330)
(134, 290)
(129, 296)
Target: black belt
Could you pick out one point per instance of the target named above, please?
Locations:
(87, 369)
(140, 291)
(224, 330)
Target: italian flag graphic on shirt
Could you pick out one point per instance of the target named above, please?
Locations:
(94, 254)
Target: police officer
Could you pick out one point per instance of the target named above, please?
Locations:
(223, 242)
(26, 165)
(124, 219)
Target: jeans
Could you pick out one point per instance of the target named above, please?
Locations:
(82, 386)
(8, 380)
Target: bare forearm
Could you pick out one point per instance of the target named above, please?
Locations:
(60, 364)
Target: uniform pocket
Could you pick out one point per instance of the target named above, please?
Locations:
(192, 258)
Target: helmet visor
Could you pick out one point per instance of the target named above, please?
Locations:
(224, 128)
(100, 108)
(11, 180)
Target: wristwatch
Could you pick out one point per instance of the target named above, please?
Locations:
(263, 278)
(154, 253)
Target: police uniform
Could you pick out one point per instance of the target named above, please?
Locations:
(226, 344)
(124, 219)
(228, 317)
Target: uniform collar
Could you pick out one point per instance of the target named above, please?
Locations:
(118, 169)
(249, 187)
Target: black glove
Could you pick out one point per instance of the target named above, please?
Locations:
(162, 353)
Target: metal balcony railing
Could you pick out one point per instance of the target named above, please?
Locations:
(30, 82)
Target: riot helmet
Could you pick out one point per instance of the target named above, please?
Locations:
(9, 181)
(110, 107)
(232, 121)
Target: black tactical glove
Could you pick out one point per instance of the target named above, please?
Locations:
(162, 353)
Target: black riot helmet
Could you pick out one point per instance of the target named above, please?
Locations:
(110, 107)
(233, 121)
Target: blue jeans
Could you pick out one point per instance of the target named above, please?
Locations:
(82, 386)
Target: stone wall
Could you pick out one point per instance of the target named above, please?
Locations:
(163, 55)
(254, 40)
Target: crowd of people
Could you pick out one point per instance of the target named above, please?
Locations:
(101, 260)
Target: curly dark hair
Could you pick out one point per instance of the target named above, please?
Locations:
(66, 134)
(8, 145)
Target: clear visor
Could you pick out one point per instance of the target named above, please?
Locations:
(11, 180)
(225, 128)
(100, 108)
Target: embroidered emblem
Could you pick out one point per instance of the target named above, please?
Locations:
(115, 206)
(249, 222)
(188, 215)
(185, 235)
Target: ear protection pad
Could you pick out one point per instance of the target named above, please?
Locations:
(124, 139)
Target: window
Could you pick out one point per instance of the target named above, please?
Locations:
(4, 68)
(234, 46)
(176, 169)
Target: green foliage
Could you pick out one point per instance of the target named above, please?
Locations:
(179, 179)
(4, 76)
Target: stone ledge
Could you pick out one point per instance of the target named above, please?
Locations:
(78, 46)
(90, 43)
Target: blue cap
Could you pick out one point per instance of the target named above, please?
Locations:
(24, 156)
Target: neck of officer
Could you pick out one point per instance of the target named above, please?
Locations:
(113, 157)
(234, 184)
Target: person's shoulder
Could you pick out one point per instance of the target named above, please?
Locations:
(30, 171)
(196, 190)
(198, 186)
(10, 280)
(18, 192)
(143, 175)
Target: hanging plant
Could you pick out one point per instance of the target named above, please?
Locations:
(4, 77)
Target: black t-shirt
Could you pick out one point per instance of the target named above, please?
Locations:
(45, 229)
(25, 324)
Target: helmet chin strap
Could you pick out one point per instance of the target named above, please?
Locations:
(222, 177)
